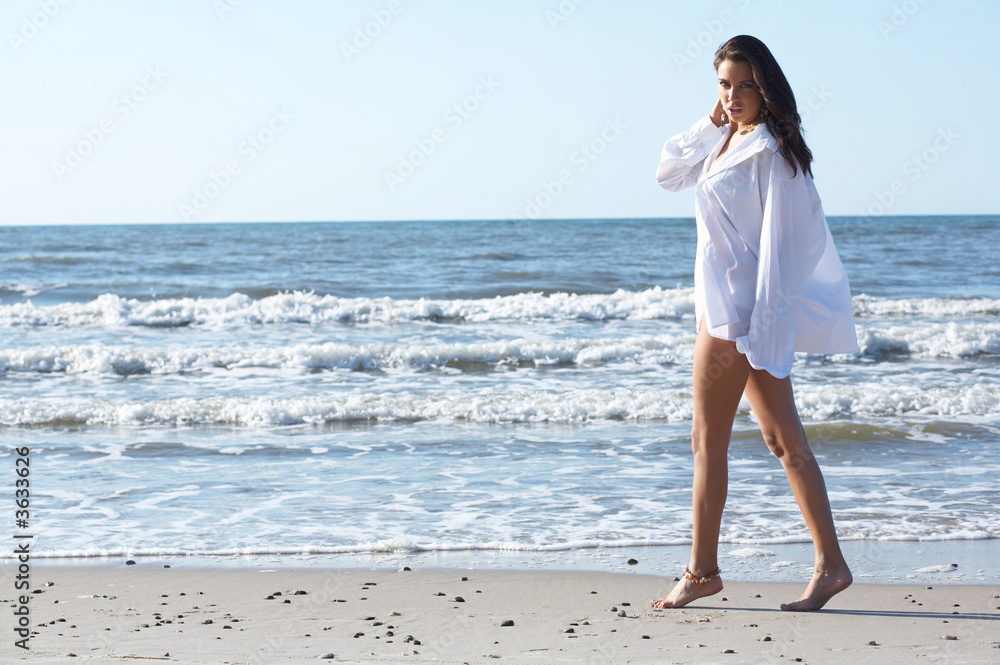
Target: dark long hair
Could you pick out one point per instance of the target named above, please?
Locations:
(783, 120)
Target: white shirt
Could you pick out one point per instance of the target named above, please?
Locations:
(767, 274)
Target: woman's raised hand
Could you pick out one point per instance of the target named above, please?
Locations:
(716, 113)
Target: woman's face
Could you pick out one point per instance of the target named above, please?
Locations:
(741, 100)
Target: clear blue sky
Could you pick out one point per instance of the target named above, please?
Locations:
(119, 111)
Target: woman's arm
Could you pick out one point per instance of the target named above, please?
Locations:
(682, 156)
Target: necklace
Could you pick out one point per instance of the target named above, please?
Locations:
(746, 130)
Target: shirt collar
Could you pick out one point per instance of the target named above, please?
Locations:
(760, 139)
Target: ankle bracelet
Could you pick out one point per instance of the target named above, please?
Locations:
(704, 579)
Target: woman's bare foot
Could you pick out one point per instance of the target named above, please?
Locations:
(685, 591)
(825, 585)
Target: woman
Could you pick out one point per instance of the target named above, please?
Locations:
(768, 283)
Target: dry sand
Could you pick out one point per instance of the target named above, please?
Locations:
(144, 613)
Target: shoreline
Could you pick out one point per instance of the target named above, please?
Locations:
(883, 562)
(216, 614)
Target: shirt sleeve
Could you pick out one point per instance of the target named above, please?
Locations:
(789, 248)
(683, 155)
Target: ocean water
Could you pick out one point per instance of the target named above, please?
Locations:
(479, 386)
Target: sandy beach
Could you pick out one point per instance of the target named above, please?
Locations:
(117, 613)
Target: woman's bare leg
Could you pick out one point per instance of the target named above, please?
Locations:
(773, 403)
(720, 374)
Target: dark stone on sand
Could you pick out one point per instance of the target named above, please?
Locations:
(614, 609)
(507, 623)
(276, 593)
(357, 635)
(300, 592)
(369, 618)
(130, 562)
(626, 604)
(872, 643)
(223, 628)
(269, 598)
(756, 595)
(459, 599)
(206, 622)
(766, 638)
(949, 637)
(622, 614)
(728, 651)
(327, 656)
(677, 579)
(645, 637)
(406, 569)
(408, 638)
(166, 566)
(287, 601)
(725, 598)
(439, 594)
(569, 630)
(465, 579)
(631, 562)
